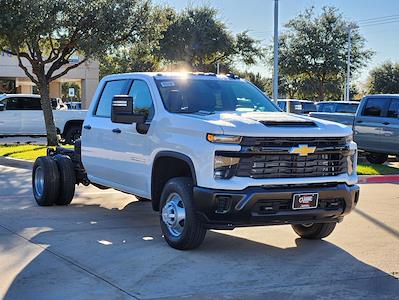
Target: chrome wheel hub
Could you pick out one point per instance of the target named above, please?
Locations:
(174, 214)
(39, 181)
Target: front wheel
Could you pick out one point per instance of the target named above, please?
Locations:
(377, 158)
(180, 226)
(314, 231)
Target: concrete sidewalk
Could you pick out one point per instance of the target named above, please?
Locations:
(107, 245)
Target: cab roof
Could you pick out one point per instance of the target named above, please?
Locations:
(178, 75)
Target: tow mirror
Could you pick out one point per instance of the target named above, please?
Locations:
(122, 111)
(2, 107)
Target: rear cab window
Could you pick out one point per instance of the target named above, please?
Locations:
(346, 108)
(393, 109)
(375, 107)
(22, 103)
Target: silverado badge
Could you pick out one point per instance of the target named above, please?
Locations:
(302, 150)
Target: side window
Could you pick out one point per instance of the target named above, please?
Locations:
(112, 88)
(30, 104)
(281, 104)
(393, 110)
(13, 104)
(375, 107)
(142, 99)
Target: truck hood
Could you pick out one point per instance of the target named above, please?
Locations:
(273, 124)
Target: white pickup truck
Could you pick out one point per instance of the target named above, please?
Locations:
(21, 114)
(210, 152)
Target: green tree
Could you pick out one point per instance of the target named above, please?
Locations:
(313, 53)
(45, 34)
(198, 39)
(143, 54)
(263, 83)
(384, 79)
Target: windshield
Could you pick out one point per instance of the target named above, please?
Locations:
(201, 95)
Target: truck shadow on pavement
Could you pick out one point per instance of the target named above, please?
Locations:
(88, 251)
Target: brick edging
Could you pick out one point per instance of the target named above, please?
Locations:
(379, 179)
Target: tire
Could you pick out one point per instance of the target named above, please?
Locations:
(187, 234)
(73, 133)
(314, 231)
(45, 181)
(67, 179)
(377, 158)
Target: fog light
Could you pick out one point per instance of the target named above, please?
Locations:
(225, 167)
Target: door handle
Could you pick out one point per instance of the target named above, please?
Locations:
(88, 127)
(386, 123)
(359, 121)
(116, 130)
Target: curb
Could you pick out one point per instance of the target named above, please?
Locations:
(378, 179)
(16, 163)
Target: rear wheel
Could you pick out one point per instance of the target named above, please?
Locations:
(67, 179)
(180, 226)
(314, 231)
(377, 158)
(45, 181)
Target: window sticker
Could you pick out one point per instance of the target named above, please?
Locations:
(167, 83)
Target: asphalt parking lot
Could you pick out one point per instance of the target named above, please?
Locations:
(107, 245)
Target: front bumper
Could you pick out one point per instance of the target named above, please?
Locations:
(221, 209)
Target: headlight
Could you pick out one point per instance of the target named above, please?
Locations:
(222, 138)
(225, 167)
(350, 160)
(349, 138)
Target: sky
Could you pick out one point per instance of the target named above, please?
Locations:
(257, 16)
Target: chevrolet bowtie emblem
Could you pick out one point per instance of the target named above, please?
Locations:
(302, 150)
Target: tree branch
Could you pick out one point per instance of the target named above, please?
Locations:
(25, 69)
(66, 70)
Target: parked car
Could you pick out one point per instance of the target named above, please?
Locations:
(375, 126)
(211, 152)
(21, 114)
(295, 106)
(349, 107)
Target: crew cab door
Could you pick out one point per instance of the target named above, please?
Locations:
(115, 154)
(368, 126)
(132, 167)
(390, 135)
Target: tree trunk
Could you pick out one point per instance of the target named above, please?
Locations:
(51, 131)
(320, 96)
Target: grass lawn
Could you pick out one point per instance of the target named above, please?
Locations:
(373, 169)
(31, 152)
(26, 152)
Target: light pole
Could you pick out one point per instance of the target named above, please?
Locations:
(275, 67)
(348, 71)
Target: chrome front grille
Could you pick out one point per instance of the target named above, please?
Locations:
(291, 165)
